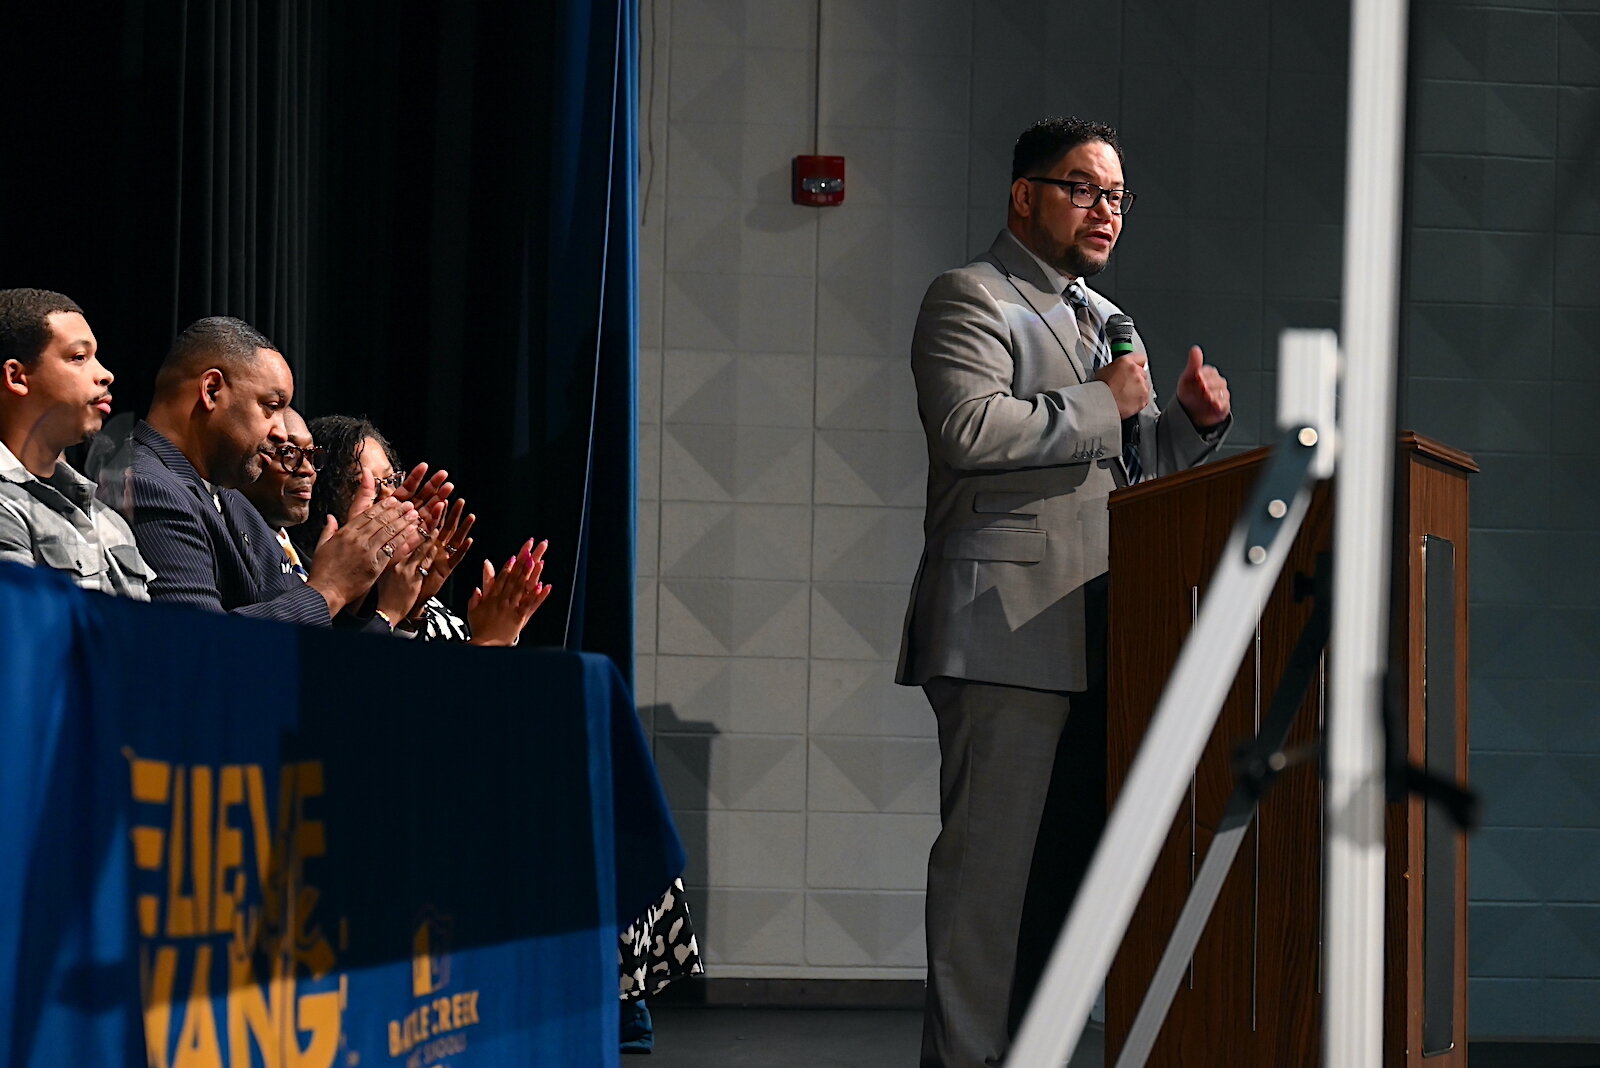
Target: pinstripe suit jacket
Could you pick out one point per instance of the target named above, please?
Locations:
(220, 561)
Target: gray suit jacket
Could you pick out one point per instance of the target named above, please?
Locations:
(1024, 445)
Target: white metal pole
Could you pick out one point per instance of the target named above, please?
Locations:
(1353, 1011)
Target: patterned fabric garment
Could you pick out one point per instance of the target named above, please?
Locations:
(659, 947)
(58, 523)
(292, 557)
(1091, 331)
(439, 624)
(216, 560)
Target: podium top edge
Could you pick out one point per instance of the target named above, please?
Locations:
(1438, 450)
(1407, 441)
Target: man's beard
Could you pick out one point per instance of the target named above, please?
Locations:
(1077, 263)
(1068, 259)
(246, 469)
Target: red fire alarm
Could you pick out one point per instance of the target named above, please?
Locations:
(818, 181)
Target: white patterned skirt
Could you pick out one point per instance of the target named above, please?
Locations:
(658, 947)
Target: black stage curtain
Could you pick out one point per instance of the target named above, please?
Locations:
(429, 206)
(158, 168)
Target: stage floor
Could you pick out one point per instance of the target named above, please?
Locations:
(693, 1037)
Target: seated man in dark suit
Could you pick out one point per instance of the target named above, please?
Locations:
(216, 419)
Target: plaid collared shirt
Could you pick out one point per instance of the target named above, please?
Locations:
(58, 523)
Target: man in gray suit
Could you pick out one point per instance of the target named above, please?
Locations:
(1031, 422)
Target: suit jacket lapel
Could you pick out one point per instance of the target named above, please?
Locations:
(1038, 290)
(257, 543)
(239, 538)
(173, 459)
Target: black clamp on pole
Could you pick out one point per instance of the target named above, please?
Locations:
(1262, 759)
(1282, 480)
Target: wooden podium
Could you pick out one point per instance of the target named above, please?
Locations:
(1252, 995)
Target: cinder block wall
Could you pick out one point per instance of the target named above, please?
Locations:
(782, 465)
(1502, 347)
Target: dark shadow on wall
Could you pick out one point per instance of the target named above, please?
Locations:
(682, 750)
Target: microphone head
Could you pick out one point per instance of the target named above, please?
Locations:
(1119, 334)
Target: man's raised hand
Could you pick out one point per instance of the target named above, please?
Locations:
(1203, 392)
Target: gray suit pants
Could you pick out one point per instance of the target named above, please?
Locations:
(1022, 788)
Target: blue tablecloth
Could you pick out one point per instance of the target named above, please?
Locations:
(220, 837)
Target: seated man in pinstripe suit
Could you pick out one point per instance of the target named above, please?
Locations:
(216, 418)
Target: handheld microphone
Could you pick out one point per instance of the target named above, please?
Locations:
(1119, 336)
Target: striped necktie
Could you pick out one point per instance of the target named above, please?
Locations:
(1100, 355)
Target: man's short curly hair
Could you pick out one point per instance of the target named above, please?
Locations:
(1042, 145)
(25, 322)
(216, 341)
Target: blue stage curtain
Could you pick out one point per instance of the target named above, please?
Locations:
(598, 127)
(202, 119)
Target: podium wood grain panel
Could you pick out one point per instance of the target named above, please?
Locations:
(1253, 993)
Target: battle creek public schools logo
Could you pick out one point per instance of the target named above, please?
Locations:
(436, 1026)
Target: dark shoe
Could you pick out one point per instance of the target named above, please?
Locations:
(638, 1033)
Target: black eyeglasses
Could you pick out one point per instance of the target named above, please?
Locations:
(289, 457)
(393, 482)
(1087, 194)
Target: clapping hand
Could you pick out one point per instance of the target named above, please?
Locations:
(504, 603)
(400, 587)
(424, 494)
(451, 542)
(350, 558)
